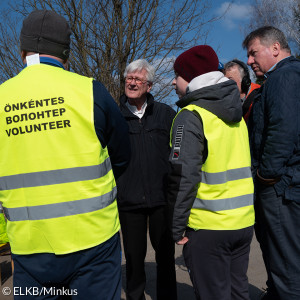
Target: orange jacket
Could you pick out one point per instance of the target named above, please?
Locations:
(253, 87)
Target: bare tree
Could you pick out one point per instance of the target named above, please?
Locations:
(297, 24)
(109, 34)
(281, 14)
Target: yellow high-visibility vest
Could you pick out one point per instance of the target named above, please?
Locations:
(56, 181)
(224, 199)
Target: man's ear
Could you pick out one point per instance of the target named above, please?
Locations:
(150, 84)
(276, 49)
(66, 64)
(23, 56)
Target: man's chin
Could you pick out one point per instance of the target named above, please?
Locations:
(131, 95)
(259, 74)
(179, 95)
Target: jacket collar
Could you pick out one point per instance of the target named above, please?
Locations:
(278, 65)
(49, 61)
(127, 113)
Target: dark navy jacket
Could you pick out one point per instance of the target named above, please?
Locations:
(111, 128)
(144, 183)
(274, 129)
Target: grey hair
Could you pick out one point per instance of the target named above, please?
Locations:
(139, 65)
(267, 35)
(231, 64)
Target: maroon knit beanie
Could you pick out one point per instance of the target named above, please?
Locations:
(195, 62)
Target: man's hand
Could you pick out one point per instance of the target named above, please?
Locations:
(182, 241)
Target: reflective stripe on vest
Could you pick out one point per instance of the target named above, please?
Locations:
(220, 178)
(224, 204)
(229, 175)
(54, 176)
(58, 210)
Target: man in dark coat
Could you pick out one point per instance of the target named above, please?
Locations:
(274, 132)
(142, 188)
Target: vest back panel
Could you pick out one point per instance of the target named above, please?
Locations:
(56, 182)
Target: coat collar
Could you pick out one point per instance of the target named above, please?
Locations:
(127, 113)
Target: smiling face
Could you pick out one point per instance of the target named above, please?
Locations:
(261, 57)
(137, 91)
(180, 85)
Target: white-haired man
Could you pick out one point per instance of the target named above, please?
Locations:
(142, 188)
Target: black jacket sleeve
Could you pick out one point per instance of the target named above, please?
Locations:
(111, 128)
(189, 151)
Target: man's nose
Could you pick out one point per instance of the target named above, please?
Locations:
(250, 60)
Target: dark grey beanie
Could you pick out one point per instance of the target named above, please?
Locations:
(46, 32)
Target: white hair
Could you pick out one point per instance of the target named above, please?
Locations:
(139, 65)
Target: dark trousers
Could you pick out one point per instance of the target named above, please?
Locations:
(217, 262)
(278, 231)
(94, 273)
(134, 230)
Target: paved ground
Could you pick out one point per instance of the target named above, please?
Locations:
(256, 274)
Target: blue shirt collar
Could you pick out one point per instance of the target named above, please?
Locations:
(49, 61)
(273, 67)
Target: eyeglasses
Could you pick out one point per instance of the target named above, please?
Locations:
(137, 80)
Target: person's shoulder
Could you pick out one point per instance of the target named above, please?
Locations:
(163, 107)
(97, 84)
(102, 97)
(289, 64)
(75, 79)
(8, 82)
(187, 116)
(293, 60)
(287, 71)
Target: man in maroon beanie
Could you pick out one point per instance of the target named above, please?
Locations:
(210, 192)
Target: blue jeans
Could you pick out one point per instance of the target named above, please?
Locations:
(278, 231)
(93, 273)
